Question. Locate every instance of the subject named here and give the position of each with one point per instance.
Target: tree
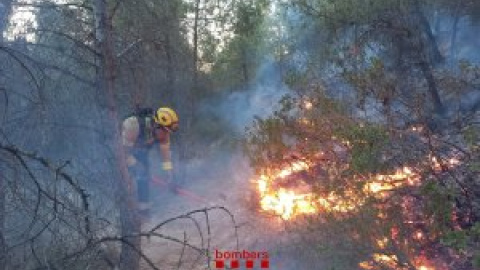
(237, 64)
(129, 258)
(384, 25)
(375, 187)
(5, 9)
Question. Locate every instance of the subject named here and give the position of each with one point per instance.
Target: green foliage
(476, 260)
(438, 205)
(373, 81)
(465, 241)
(237, 63)
(295, 78)
(456, 240)
(265, 142)
(250, 17)
(293, 127)
(471, 134)
(345, 13)
(367, 143)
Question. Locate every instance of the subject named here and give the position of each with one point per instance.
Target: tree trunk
(428, 54)
(3, 246)
(129, 259)
(245, 66)
(432, 49)
(5, 9)
(185, 145)
(432, 87)
(170, 66)
(195, 44)
(453, 39)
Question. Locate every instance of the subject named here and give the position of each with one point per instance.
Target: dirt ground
(215, 182)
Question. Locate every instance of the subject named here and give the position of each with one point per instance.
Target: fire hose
(157, 181)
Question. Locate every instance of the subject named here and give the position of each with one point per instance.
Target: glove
(167, 166)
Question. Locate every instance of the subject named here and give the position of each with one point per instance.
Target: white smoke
(239, 108)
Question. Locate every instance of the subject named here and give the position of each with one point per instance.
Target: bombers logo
(241, 259)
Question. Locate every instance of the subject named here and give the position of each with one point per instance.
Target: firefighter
(140, 132)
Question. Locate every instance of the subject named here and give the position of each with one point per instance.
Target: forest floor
(221, 181)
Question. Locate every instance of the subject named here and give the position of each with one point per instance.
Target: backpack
(144, 117)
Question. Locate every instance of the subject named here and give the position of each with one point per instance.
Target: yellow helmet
(167, 118)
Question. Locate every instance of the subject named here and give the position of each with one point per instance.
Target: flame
(388, 260)
(422, 263)
(440, 165)
(418, 235)
(382, 183)
(307, 104)
(282, 202)
(382, 243)
(294, 167)
(380, 261)
(289, 202)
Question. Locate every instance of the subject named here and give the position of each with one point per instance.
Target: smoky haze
(238, 108)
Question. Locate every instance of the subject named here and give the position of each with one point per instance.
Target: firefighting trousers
(141, 175)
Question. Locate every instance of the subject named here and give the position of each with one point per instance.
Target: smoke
(221, 176)
(239, 108)
(466, 41)
(224, 120)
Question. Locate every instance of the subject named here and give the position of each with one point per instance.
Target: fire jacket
(141, 136)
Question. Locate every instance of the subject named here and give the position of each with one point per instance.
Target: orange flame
(284, 202)
(290, 202)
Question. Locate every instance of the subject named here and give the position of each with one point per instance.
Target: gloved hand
(167, 166)
(168, 171)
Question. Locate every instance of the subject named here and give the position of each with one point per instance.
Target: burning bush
(385, 196)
